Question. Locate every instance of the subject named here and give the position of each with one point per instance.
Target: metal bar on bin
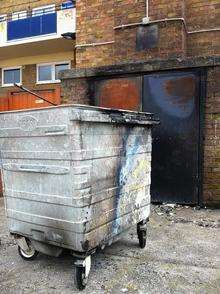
(34, 94)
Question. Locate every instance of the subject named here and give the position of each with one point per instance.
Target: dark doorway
(174, 97)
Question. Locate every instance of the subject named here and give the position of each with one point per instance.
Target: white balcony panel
(3, 33)
(66, 21)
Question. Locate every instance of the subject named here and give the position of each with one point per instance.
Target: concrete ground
(182, 256)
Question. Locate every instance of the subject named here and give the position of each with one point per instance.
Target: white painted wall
(66, 21)
(3, 32)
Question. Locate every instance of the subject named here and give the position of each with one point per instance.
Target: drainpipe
(146, 19)
(94, 44)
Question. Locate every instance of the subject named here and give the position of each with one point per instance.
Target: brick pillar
(75, 91)
(212, 139)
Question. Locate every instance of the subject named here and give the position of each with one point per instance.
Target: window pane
(45, 73)
(12, 76)
(60, 67)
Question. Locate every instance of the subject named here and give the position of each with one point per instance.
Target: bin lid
(110, 115)
(99, 114)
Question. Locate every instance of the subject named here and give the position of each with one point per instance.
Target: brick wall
(76, 91)
(159, 9)
(211, 191)
(97, 21)
(203, 44)
(93, 27)
(170, 44)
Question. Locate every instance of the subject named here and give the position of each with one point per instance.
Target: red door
(22, 100)
(120, 93)
(3, 103)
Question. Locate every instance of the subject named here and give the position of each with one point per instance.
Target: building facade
(159, 56)
(33, 51)
(151, 55)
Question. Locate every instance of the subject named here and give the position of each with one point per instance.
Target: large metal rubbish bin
(75, 177)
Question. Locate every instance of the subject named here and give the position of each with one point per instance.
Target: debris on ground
(205, 223)
(170, 210)
(182, 256)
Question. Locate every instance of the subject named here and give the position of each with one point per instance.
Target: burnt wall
(87, 86)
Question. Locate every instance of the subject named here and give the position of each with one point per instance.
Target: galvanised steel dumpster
(75, 177)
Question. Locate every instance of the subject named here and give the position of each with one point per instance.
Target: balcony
(32, 27)
(37, 35)
(37, 28)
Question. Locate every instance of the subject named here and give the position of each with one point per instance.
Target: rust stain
(120, 93)
(184, 88)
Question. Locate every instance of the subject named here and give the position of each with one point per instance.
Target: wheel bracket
(86, 263)
(21, 241)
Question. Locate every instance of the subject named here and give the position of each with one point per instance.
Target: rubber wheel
(28, 255)
(142, 237)
(79, 278)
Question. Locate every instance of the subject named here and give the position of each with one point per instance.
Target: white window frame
(15, 15)
(53, 65)
(11, 68)
(52, 6)
(4, 16)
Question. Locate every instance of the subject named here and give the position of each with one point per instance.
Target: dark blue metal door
(174, 97)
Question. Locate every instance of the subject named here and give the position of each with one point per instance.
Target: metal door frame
(202, 101)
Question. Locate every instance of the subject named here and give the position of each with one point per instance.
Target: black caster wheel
(31, 254)
(142, 234)
(80, 278)
(142, 237)
(81, 272)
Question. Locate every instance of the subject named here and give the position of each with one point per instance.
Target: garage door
(3, 103)
(21, 100)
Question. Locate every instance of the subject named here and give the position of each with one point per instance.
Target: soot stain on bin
(85, 245)
(124, 167)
